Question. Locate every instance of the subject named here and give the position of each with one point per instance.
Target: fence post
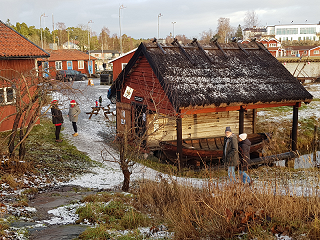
(315, 144)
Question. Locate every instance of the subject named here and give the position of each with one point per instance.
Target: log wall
(204, 125)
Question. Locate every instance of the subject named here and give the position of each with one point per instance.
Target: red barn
(175, 92)
(18, 57)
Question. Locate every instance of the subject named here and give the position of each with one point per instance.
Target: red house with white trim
(63, 59)
(18, 57)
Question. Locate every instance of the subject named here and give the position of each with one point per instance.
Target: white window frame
(5, 96)
(58, 65)
(123, 65)
(81, 64)
(316, 52)
(272, 45)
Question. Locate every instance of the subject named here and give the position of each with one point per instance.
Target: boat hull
(208, 149)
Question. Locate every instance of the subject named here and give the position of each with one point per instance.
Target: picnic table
(106, 110)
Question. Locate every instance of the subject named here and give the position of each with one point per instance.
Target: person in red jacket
(57, 118)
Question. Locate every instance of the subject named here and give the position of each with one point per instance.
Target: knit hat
(243, 136)
(228, 129)
(73, 102)
(54, 101)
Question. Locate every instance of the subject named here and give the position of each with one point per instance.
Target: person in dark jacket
(57, 118)
(244, 156)
(230, 153)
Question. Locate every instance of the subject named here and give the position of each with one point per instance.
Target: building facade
(295, 32)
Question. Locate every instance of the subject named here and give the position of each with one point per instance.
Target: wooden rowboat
(208, 149)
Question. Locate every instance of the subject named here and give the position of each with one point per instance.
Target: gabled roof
(68, 55)
(121, 56)
(104, 51)
(220, 75)
(14, 45)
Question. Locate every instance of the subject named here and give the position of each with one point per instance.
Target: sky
(139, 18)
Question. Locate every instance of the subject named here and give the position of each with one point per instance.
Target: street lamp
(173, 28)
(159, 15)
(121, 7)
(89, 63)
(42, 15)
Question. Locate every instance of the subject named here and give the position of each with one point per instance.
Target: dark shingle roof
(14, 45)
(230, 75)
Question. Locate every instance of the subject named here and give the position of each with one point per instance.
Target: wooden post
(254, 120)
(241, 120)
(179, 141)
(315, 144)
(295, 127)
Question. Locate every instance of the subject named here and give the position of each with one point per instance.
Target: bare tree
(205, 36)
(224, 30)
(251, 19)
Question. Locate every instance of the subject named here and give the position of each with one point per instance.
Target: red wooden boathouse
(175, 92)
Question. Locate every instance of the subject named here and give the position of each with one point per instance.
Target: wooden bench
(95, 111)
(107, 111)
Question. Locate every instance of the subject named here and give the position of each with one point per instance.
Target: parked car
(70, 75)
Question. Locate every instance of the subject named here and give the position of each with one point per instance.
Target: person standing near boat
(230, 153)
(244, 157)
(57, 119)
(74, 111)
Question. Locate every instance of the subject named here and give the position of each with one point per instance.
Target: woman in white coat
(74, 111)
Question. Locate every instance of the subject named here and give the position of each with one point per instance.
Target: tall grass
(225, 212)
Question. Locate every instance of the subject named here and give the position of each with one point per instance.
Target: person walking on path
(230, 153)
(73, 114)
(57, 118)
(244, 157)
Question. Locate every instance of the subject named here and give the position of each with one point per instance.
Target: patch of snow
(64, 215)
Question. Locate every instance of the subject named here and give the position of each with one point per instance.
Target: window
(309, 30)
(287, 31)
(272, 44)
(7, 95)
(81, 64)
(124, 65)
(58, 65)
(316, 52)
(294, 52)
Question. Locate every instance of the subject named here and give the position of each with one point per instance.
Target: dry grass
(227, 212)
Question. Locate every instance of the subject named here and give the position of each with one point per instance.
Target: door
(140, 120)
(69, 65)
(45, 67)
(90, 70)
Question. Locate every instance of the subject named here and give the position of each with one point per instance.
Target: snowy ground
(92, 135)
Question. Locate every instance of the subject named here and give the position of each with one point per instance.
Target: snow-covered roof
(225, 74)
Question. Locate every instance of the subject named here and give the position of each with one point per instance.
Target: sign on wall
(128, 92)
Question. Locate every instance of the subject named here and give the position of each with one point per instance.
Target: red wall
(52, 66)
(7, 69)
(147, 86)
(117, 64)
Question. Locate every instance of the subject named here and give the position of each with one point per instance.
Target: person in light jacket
(230, 153)
(244, 156)
(73, 114)
(57, 119)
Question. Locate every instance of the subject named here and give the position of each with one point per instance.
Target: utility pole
(173, 28)
(42, 15)
(121, 7)
(89, 63)
(159, 15)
